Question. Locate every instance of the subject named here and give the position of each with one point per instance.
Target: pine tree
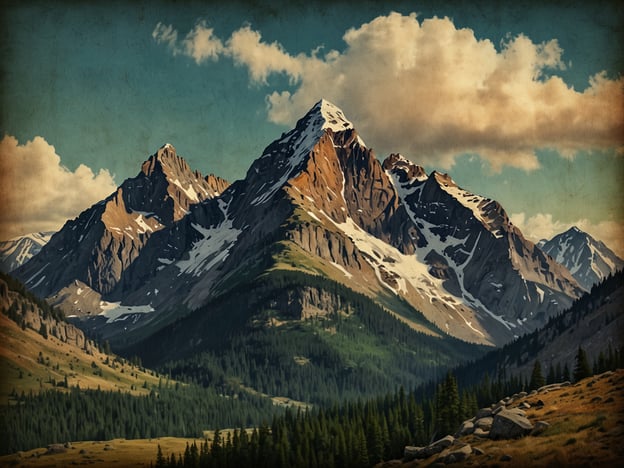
(566, 373)
(161, 462)
(552, 377)
(448, 411)
(582, 369)
(537, 379)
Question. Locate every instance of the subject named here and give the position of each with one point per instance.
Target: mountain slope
(99, 245)
(40, 351)
(593, 322)
(17, 251)
(319, 202)
(589, 260)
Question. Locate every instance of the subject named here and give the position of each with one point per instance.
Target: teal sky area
(94, 82)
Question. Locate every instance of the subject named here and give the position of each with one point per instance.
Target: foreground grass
(586, 429)
(115, 453)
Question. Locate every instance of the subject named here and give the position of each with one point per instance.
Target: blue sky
(518, 101)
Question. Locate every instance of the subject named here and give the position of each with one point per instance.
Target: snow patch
(213, 248)
(188, 191)
(113, 311)
(341, 268)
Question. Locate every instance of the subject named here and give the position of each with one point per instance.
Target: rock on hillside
(560, 424)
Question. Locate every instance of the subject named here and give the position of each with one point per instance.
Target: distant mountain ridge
(316, 201)
(589, 260)
(18, 250)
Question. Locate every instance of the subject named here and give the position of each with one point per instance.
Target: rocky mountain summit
(319, 202)
(589, 260)
(103, 241)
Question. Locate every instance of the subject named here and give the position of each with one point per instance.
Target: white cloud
(543, 226)
(433, 91)
(199, 43)
(38, 193)
(246, 48)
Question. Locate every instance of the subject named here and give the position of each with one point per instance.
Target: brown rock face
(33, 317)
(98, 246)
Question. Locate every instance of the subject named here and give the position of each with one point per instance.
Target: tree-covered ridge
(525, 349)
(169, 410)
(17, 286)
(359, 350)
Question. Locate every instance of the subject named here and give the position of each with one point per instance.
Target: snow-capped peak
(333, 117)
(17, 251)
(283, 159)
(588, 259)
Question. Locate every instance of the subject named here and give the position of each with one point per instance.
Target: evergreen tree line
(46, 309)
(358, 433)
(526, 348)
(172, 410)
(369, 352)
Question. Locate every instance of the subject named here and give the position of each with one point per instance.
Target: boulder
(540, 426)
(466, 428)
(483, 413)
(455, 453)
(509, 425)
(517, 411)
(524, 405)
(55, 448)
(411, 453)
(481, 433)
(484, 423)
(477, 451)
(498, 409)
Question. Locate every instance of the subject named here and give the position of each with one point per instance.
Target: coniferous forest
(347, 431)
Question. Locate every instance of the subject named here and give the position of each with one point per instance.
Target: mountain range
(317, 204)
(17, 251)
(589, 260)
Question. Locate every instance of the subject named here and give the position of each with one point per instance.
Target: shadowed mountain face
(98, 246)
(589, 260)
(317, 201)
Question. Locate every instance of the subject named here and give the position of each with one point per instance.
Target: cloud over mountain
(431, 90)
(39, 193)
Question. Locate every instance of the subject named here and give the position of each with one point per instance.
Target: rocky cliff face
(98, 246)
(33, 317)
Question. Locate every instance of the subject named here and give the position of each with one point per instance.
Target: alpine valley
(325, 275)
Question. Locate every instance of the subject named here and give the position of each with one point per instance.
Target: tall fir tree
(581, 369)
(537, 378)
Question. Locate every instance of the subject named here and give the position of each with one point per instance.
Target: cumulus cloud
(433, 91)
(199, 43)
(543, 226)
(38, 193)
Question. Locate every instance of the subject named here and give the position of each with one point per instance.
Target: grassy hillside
(586, 429)
(30, 362)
